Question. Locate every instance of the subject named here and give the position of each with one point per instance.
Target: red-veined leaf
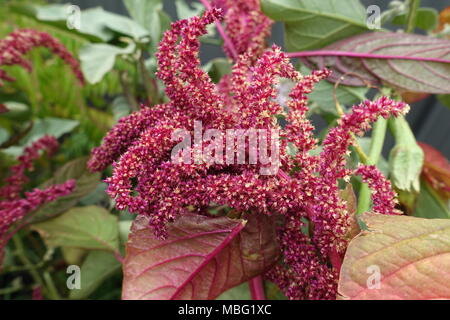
(436, 170)
(409, 62)
(399, 257)
(202, 257)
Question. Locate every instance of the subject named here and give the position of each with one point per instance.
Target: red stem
(222, 32)
(332, 53)
(257, 288)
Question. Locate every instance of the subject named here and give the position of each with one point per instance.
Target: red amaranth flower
(13, 208)
(246, 26)
(305, 192)
(16, 180)
(20, 42)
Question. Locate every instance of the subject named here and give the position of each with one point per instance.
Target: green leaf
(399, 257)
(312, 24)
(17, 110)
(430, 205)
(4, 135)
(185, 11)
(99, 58)
(55, 127)
(406, 158)
(146, 13)
(241, 292)
(426, 19)
(124, 230)
(120, 108)
(96, 23)
(96, 268)
(86, 182)
(89, 227)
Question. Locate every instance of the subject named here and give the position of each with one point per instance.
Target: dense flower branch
(145, 180)
(20, 42)
(13, 207)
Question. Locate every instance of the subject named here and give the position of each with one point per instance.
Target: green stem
(51, 288)
(123, 77)
(149, 83)
(20, 252)
(414, 5)
(376, 146)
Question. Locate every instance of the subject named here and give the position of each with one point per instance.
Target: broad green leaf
(4, 135)
(185, 11)
(202, 257)
(124, 230)
(98, 58)
(312, 24)
(427, 19)
(16, 110)
(146, 13)
(96, 268)
(241, 292)
(89, 227)
(56, 127)
(120, 108)
(96, 23)
(430, 205)
(73, 255)
(86, 182)
(406, 158)
(399, 257)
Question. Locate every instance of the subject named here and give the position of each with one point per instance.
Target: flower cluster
(305, 192)
(20, 42)
(13, 207)
(246, 26)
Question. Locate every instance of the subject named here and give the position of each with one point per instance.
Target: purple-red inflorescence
(305, 192)
(19, 42)
(13, 206)
(246, 26)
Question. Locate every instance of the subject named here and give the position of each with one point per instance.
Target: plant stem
(257, 288)
(20, 252)
(51, 288)
(376, 146)
(414, 5)
(149, 83)
(127, 91)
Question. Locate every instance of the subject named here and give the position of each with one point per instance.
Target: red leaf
(436, 170)
(201, 258)
(409, 62)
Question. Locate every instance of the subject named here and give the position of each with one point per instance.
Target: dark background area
(429, 119)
